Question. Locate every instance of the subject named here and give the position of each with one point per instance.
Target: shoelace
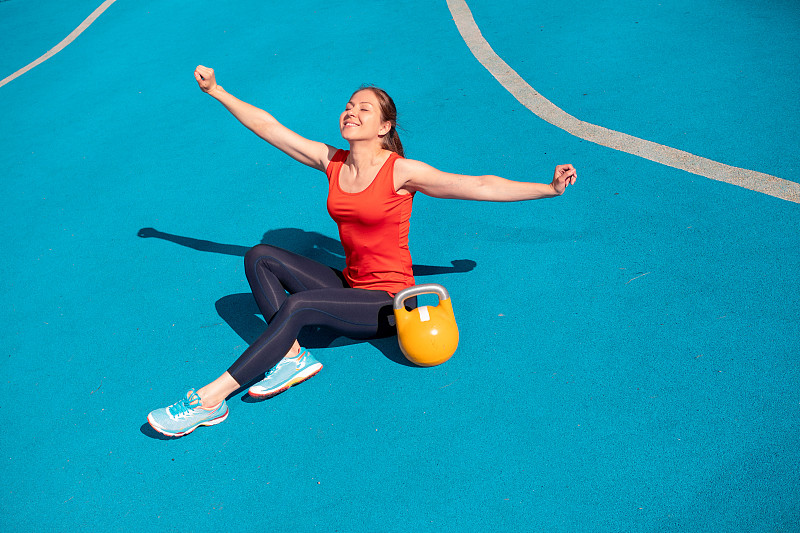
(185, 406)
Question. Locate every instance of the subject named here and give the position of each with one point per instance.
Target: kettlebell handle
(416, 290)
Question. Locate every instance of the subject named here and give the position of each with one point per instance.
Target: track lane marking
(549, 112)
(63, 44)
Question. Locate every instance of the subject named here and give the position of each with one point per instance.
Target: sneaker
(185, 416)
(288, 372)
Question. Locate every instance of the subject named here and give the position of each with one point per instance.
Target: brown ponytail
(391, 141)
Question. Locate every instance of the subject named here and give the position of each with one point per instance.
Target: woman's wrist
(216, 91)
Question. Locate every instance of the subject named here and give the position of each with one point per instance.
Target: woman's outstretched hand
(563, 176)
(205, 78)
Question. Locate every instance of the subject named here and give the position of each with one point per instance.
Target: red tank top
(373, 227)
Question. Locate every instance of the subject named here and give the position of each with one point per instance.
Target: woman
(371, 188)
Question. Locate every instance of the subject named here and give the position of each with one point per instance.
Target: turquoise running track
(629, 351)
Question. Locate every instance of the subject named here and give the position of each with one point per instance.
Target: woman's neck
(366, 154)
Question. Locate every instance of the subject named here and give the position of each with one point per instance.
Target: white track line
(63, 44)
(546, 110)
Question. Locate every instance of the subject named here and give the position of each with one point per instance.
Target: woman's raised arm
(312, 153)
(415, 176)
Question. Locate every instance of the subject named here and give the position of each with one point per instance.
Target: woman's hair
(391, 141)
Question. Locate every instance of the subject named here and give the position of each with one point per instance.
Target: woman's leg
(317, 298)
(354, 313)
(272, 271)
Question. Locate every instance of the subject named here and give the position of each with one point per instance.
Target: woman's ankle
(215, 392)
(207, 399)
(294, 351)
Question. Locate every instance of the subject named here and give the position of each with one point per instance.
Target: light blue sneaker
(185, 416)
(288, 372)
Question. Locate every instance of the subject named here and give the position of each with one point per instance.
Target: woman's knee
(256, 254)
(294, 305)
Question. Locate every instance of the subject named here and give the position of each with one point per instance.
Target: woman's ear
(385, 128)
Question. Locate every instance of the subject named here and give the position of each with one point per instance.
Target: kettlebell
(428, 336)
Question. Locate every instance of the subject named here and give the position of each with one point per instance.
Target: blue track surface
(628, 357)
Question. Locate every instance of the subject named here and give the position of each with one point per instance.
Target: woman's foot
(289, 371)
(185, 416)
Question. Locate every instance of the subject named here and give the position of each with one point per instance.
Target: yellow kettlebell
(428, 336)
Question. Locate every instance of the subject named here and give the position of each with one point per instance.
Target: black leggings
(318, 296)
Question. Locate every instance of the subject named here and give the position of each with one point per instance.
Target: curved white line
(63, 44)
(546, 110)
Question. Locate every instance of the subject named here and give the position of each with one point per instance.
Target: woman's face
(361, 119)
